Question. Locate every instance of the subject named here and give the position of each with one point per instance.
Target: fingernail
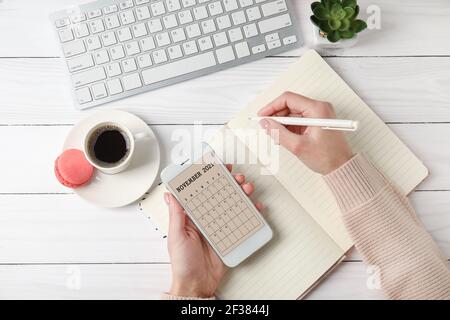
(264, 123)
(166, 198)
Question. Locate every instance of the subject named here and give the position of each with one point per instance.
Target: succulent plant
(336, 19)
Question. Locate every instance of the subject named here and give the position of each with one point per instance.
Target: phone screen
(208, 193)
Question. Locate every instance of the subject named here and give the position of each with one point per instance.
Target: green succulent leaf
(349, 12)
(334, 24)
(325, 27)
(347, 34)
(315, 21)
(356, 12)
(349, 3)
(337, 12)
(326, 4)
(345, 25)
(321, 13)
(334, 36)
(314, 5)
(358, 26)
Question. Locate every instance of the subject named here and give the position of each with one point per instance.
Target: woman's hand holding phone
(196, 269)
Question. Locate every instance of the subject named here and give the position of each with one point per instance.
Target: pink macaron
(72, 169)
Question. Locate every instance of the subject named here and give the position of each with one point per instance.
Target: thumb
(177, 217)
(281, 135)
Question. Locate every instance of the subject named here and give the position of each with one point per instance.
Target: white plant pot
(323, 43)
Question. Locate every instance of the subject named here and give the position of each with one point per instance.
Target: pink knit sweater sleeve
(388, 234)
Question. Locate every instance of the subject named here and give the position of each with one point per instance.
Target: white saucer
(127, 186)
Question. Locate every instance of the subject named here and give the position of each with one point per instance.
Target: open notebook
(309, 237)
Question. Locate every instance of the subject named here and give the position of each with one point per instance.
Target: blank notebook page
(311, 76)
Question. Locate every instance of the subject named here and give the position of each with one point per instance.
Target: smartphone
(218, 206)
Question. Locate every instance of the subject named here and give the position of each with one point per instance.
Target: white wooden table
(49, 237)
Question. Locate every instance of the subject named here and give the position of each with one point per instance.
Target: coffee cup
(110, 146)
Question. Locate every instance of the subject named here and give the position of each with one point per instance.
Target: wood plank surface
(36, 91)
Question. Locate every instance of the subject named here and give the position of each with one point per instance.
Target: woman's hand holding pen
(321, 150)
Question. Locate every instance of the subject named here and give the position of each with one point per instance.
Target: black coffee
(109, 145)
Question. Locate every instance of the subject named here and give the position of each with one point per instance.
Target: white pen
(328, 124)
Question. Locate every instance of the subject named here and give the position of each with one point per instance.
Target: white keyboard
(115, 49)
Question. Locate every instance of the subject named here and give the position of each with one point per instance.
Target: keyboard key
(154, 25)
(173, 5)
(235, 34)
(94, 13)
(126, 4)
(175, 52)
(112, 22)
(215, 8)
(139, 2)
(273, 44)
(275, 23)
(144, 61)
(117, 52)
(178, 35)
(205, 43)
(193, 30)
(274, 7)
(170, 21)
(110, 9)
(101, 56)
(208, 26)
(230, 5)
(108, 39)
(62, 22)
(245, 3)
(114, 86)
(142, 13)
(250, 30)
(159, 56)
(200, 13)
(139, 30)
(73, 48)
(81, 30)
(132, 48)
(129, 65)
(163, 39)
(65, 35)
(178, 68)
(225, 54)
(124, 34)
(289, 40)
(253, 14)
(80, 63)
(87, 77)
(96, 26)
(127, 17)
(158, 8)
(272, 37)
(220, 39)
(238, 18)
(83, 95)
(242, 50)
(93, 43)
(223, 22)
(99, 91)
(113, 70)
(259, 49)
(147, 44)
(190, 48)
(77, 18)
(188, 3)
(132, 81)
(185, 17)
